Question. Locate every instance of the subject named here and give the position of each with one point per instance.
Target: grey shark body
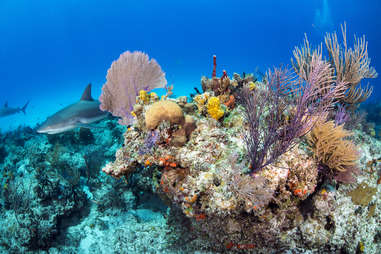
(79, 114)
(7, 111)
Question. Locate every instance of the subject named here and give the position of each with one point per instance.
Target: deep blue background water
(49, 50)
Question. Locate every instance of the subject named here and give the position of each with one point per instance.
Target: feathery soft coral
(269, 134)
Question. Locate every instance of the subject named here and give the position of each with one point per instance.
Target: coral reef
(47, 182)
(246, 166)
(282, 206)
(247, 176)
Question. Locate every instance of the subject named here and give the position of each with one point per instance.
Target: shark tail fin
(24, 107)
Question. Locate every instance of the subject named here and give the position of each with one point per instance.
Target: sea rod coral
(269, 134)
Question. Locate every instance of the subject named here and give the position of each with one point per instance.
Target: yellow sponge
(214, 108)
(143, 96)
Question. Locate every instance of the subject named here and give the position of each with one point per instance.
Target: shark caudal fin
(23, 108)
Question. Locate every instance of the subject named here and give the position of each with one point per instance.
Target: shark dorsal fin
(6, 104)
(86, 96)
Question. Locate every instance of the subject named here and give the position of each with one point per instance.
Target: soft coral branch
(270, 134)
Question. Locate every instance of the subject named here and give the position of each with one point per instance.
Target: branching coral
(269, 134)
(349, 65)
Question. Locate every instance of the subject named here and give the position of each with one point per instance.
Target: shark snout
(41, 129)
(44, 129)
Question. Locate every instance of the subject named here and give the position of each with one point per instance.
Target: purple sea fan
(263, 112)
(316, 92)
(341, 116)
(269, 136)
(128, 75)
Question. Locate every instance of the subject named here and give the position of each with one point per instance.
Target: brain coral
(164, 110)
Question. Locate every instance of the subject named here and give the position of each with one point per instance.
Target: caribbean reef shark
(79, 114)
(7, 111)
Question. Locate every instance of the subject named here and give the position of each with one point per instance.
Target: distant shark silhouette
(7, 111)
(79, 114)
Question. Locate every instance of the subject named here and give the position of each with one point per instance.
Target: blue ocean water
(50, 50)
